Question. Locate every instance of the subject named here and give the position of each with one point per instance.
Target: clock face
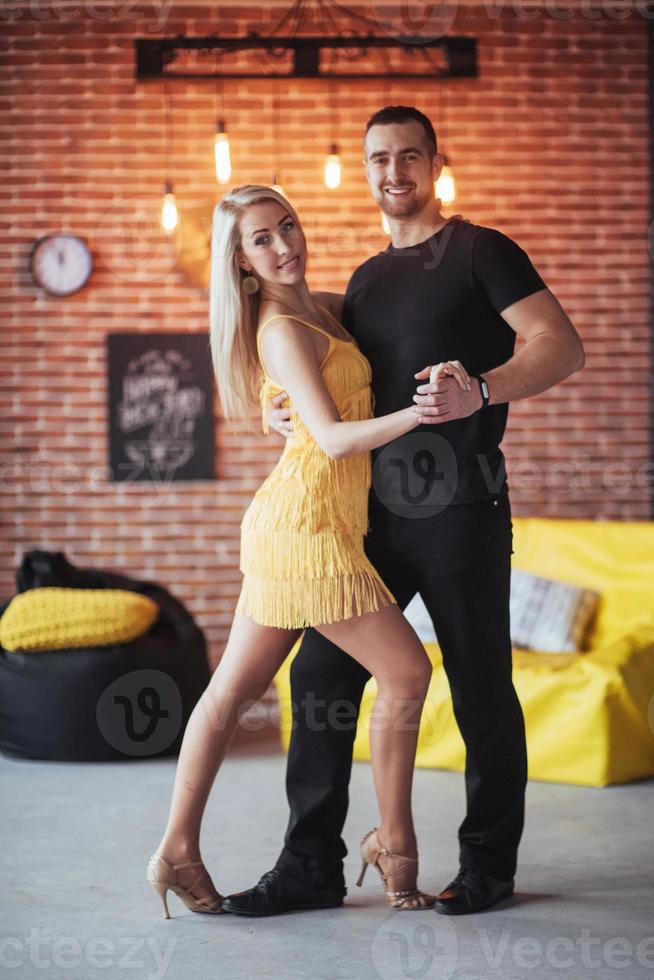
(61, 264)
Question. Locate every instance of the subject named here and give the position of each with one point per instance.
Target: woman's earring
(250, 285)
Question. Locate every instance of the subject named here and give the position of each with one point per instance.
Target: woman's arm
(291, 356)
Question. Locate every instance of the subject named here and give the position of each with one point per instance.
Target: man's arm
(552, 352)
(332, 301)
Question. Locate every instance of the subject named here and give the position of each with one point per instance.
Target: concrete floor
(75, 903)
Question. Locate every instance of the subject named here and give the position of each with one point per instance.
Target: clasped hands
(450, 393)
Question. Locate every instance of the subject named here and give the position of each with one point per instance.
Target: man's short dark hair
(401, 114)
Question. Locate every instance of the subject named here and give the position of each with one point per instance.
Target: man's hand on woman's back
(279, 418)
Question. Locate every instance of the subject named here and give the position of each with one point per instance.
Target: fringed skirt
(293, 580)
(302, 554)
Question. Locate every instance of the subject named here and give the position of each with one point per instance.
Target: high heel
(162, 875)
(371, 849)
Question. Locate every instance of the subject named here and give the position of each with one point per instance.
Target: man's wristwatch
(485, 394)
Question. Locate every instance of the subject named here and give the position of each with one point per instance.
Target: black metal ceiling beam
(154, 57)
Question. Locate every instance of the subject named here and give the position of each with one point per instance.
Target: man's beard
(402, 209)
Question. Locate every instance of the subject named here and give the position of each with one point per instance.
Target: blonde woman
(302, 552)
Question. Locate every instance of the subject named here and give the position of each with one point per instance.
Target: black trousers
(460, 562)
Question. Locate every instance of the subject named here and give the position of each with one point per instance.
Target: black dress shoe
(278, 892)
(472, 891)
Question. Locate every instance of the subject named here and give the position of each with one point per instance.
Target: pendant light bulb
(333, 168)
(221, 153)
(444, 187)
(169, 215)
(385, 225)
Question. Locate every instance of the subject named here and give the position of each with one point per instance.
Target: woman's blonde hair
(233, 313)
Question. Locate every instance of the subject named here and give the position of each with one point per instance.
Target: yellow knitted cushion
(55, 618)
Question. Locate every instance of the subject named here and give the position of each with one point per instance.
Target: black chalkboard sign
(161, 407)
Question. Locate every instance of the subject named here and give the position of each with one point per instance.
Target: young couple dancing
(329, 551)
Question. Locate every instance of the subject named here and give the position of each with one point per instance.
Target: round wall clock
(61, 264)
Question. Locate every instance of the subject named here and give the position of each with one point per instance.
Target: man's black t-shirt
(436, 301)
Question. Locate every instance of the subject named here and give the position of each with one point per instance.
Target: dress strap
(291, 317)
(337, 322)
(332, 339)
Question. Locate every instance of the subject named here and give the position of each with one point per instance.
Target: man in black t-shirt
(440, 518)
(435, 301)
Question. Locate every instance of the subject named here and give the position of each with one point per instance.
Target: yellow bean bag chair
(57, 618)
(589, 716)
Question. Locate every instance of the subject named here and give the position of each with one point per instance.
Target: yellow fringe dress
(302, 553)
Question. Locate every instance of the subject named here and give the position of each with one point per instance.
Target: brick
(533, 142)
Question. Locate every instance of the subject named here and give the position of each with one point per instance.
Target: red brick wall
(549, 144)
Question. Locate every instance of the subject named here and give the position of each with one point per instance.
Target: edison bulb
(333, 168)
(169, 215)
(444, 186)
(221, 153)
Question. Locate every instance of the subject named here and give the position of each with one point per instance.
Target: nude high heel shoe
(162, 875)
(409, 900)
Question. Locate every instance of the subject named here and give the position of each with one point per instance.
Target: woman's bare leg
(386, 645)
(251, 658)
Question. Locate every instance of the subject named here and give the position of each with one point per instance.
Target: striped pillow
(550, 616)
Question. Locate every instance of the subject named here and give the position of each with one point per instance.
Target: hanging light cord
(168, 132)
(274, 131)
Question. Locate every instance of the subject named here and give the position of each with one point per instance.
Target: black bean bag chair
(97, 704)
